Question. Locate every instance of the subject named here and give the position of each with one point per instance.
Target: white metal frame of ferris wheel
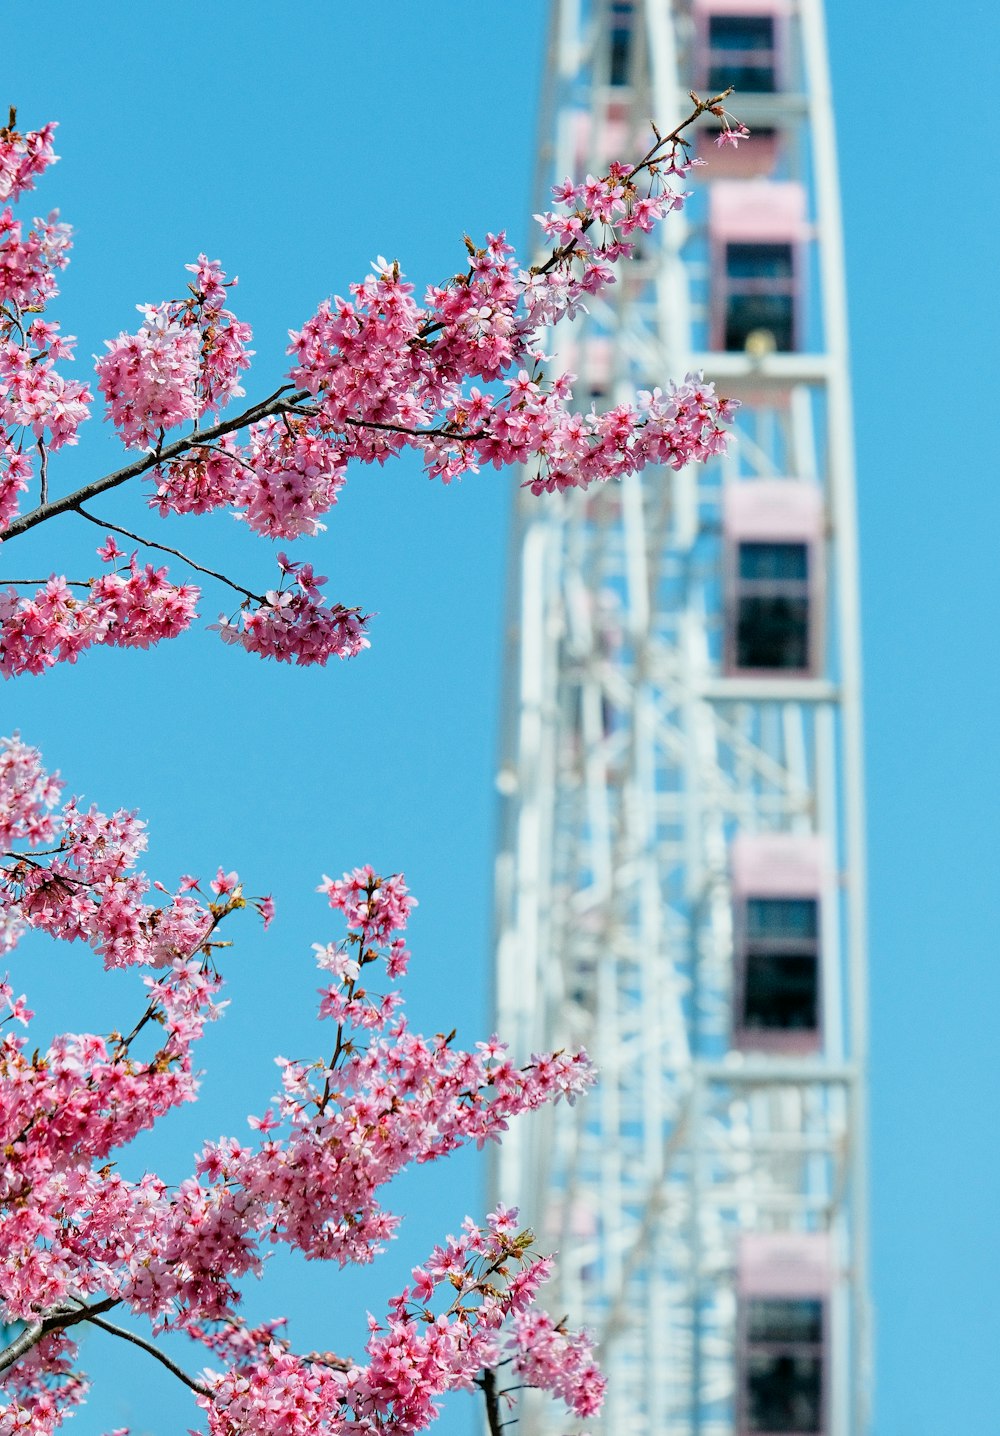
(629, 762)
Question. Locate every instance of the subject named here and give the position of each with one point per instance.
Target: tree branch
(154, 1351)
(30, 1336)
(165, 548)
(488, 1385)
(44, 472)
(280, 400)
(652, 156)
(55, 1321)
(73, 1316)
(286, 399)
(445, 432)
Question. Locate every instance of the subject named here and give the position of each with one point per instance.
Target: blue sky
(297, 148)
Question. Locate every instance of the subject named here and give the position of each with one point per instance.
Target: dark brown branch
(73, 1316)
(444, 431)
(488, 1384)
(280, 400)
(32, 860)
(43, 471)
(165, 548)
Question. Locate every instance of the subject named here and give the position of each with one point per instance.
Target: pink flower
(22, 157)
(183, 362)
(330, 1143)
(109, 550)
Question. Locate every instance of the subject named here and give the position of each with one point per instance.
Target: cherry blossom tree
(462, 379)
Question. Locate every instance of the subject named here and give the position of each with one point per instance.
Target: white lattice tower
(632, 758)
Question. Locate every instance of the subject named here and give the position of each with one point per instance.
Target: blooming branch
(77, 1238)
(460, 379)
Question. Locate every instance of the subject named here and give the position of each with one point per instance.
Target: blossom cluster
(460, 377)
(295, 622)
(135, 606)
(35, 399)
(557, 1360)
(183, 363)
(22, 157)
(489, 1277)
(84, 884)
(132, 606)
(78, 1238)
(47, 1389)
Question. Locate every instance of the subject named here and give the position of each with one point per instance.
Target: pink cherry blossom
(131, 607)
(184, 361)
(150, 378)
(458, 376)
(77, 1235)
(22, 157)
(731, 135)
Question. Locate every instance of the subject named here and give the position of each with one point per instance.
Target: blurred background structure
(680, 877)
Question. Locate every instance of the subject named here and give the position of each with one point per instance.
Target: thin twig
(443, 431)
(229, 454)
(154, 1351)
(13, 318)
(38, 853)
(652, 155)
(565, 251)
(66, 878)
(165, 548)
(122, 1047)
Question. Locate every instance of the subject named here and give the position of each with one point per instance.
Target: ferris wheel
(680, 871)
